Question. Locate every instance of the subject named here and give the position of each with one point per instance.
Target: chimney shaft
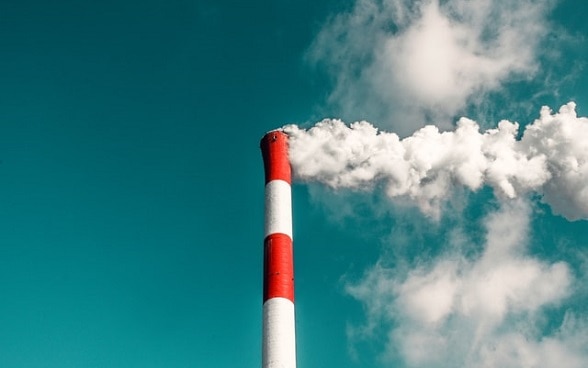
(279, 337)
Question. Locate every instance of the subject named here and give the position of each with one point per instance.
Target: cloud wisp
(424, 61)
(484, 311)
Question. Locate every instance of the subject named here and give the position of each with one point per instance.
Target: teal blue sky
(131, 184)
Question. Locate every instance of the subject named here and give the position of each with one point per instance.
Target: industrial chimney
(279, 336)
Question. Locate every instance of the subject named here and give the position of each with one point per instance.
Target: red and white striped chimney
(279, 336)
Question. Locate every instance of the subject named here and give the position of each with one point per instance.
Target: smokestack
(279, 337)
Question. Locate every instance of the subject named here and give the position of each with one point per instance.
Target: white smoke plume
(425, 61)
(550, 159)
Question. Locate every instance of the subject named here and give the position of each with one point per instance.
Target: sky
(447, 229)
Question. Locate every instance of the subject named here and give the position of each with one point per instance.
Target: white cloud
(481, 312)
(422, 61)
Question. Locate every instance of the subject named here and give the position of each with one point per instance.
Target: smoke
(425, 61)
(550, 159)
